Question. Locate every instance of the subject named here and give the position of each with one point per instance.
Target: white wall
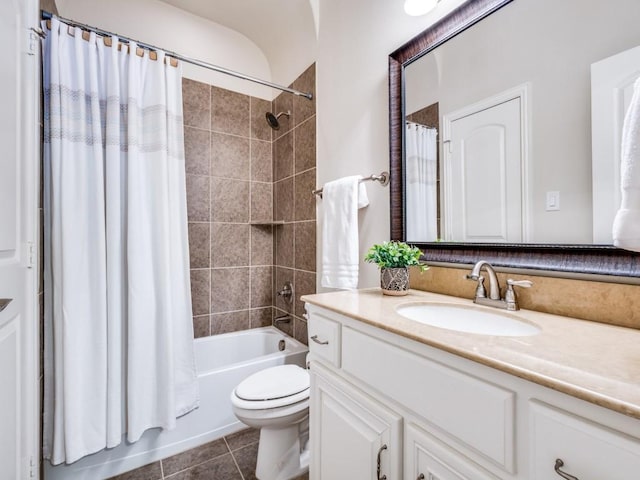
(167, 27)
(355, 39)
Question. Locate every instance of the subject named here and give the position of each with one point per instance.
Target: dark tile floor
(230, 458)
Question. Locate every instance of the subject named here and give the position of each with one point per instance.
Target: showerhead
(272, 119)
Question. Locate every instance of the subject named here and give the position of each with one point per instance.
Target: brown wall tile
(305, 283)
(261, 317)
(304, 108)
(261, 286)
(305, 245)
(300, 331)
(261, 161)
(305, 145)
(229, 322)
(199, 245)
(196, 101)
(283, 157)
(229, 289)
(259, 127)
(238, 172)
(200, 288)
(261, 245)
(201, 326)
(305, 201)
(261, 202)
(284, 245)
(197, 198)
(283, 200)
(229, 112)
(229, 200)
(197, 151)
(230, 245)
(229, 156)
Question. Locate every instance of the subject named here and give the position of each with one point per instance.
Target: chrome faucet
(509, 302)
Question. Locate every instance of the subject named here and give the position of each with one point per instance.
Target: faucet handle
(519, 283)
(481, 292)
(510, 294)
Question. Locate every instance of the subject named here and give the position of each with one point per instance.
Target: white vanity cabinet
(353, 436)
(444, 417)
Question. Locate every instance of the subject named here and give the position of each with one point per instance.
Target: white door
(350, 434)
(483, 176)
(611, 89)
(18, 213)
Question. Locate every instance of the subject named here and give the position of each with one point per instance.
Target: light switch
(553, 201)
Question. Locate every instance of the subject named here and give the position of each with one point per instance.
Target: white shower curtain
(421, 183)
(118, 330)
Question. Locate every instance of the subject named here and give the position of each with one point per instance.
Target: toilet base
(280, 456)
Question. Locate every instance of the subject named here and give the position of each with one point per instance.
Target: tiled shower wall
(234, 164)
(294, 172)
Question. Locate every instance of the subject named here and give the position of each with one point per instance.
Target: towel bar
(383, 178)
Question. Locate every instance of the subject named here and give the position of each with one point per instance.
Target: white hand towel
(340, 260)
(626, 226)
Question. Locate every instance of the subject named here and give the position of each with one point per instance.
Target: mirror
(523, 66)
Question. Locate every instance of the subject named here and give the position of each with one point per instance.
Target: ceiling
(283, 29)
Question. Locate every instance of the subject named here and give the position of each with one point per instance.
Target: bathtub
(222, 362)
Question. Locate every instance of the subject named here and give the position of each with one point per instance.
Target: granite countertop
(592, 361)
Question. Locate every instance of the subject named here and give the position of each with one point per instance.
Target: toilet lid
(273, 383)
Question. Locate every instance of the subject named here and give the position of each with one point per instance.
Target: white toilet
(276, 400)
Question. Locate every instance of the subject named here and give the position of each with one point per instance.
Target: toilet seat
(272, 387)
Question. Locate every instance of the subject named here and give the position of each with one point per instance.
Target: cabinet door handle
(319, 342)
(420, 477)
(560, 463)
(382, 448)
(4, 302)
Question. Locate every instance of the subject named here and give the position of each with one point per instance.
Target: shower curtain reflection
(118, 331)
(421, 183)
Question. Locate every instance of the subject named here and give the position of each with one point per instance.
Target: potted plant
(394, 259)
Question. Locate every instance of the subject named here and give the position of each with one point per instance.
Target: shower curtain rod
(47, 16)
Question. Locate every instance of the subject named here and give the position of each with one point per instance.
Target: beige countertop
(592, 361)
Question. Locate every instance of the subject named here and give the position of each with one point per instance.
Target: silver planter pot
(394, 281)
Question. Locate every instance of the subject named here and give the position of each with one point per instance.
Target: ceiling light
(416, 8)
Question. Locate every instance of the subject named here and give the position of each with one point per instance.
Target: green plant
(395, 255)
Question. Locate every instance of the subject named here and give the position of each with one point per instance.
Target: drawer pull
(319, 342)
(420, 477)
(382, 448)
(560, 463)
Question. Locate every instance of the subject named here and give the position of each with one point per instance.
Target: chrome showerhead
(272, 119)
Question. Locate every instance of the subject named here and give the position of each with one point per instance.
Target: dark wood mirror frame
(564, 260)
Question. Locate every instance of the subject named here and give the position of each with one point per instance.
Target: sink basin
(462, 318)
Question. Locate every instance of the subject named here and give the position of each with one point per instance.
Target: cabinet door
(426, 458)
(588, 451)
(350, 433)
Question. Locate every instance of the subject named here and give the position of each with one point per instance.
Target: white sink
(462, 318)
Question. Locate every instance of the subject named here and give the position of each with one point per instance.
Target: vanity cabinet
(587, 450)
(353, 435)
(444, 417)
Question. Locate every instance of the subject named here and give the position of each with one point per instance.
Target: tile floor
(230, 458)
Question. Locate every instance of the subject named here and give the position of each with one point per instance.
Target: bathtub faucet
(282, 319)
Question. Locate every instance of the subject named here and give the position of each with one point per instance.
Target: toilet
(276, 400)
